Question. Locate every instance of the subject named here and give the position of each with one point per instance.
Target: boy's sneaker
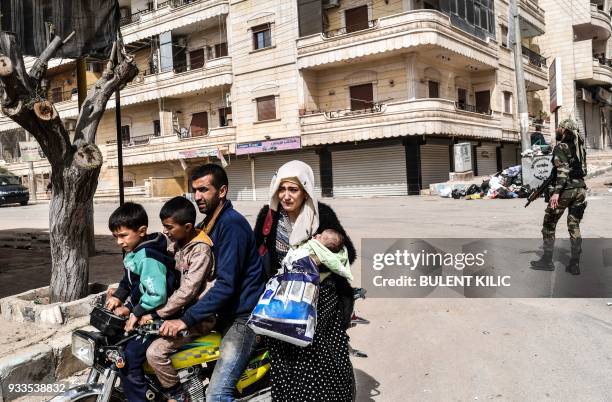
(177, 394)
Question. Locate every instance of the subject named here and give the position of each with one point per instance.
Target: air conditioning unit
(331, 3)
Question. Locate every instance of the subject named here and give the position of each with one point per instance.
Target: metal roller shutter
(370, 172)
(509, 155)
(239, 178)
(435, 164)
(486, 159)
(267, 165)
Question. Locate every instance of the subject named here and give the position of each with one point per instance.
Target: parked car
(12, 191)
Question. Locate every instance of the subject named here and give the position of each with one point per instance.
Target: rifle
(543, 187)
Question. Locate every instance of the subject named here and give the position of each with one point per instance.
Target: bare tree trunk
(75, 166)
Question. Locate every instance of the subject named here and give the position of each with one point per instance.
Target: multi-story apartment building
(578, 32)
(371, 93)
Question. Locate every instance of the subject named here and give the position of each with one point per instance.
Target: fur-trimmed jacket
(327, 220)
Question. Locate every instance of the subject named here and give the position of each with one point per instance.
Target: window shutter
(196, 58)
(266, 108)
(356, 19)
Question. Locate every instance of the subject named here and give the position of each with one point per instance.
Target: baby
(327, 249)
(331, 239)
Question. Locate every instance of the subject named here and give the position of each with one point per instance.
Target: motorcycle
(102, 351)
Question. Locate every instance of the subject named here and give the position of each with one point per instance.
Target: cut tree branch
(21, 102)
(95, 104)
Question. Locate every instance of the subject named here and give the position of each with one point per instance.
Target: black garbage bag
(485, 186)
(458, 193)
(524, 191)
(473, 189)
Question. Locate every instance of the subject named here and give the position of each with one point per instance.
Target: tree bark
(75, 166)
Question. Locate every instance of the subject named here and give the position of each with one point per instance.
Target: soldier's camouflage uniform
(571, 188)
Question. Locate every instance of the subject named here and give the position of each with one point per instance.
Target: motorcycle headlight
(83, 348)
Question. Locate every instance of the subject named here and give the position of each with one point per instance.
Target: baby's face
(326, 239)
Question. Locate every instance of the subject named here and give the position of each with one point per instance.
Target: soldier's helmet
(569, 124)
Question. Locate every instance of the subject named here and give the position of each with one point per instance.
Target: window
(199, 124)
(196, 59)
(262, 36)
(434, 89)
(483, 102)
(362, 97)
(125, 134)
(462, 96)
(356, 19)
(56, 95)
(266, 108)
(221, 49)
(225, 116)
(504, 36)
(507, 102)
(156, 128)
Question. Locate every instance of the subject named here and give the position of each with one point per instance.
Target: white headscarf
(307, 222)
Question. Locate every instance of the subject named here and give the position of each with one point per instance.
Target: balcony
(154, 149)
(536, 72)
(602, 72)
(170, 15)
(148, 85)
(601, 22)
(395, 34)
(532, 18)
(397, 119)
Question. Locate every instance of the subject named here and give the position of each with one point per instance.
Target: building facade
(578, 32)
(373, 94)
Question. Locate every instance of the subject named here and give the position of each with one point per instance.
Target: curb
(599, 172)
(40, 364)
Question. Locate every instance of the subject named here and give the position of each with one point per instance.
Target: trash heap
(506, 184)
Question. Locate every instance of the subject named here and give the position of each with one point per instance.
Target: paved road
(456, 349)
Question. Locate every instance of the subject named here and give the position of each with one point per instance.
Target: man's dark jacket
(240, 279)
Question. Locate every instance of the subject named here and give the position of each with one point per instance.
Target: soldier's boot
(574, 263)
(545, 263)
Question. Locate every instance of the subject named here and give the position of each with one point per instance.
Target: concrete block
(65, 363)
(25, 306)
(33, 365)
(51, 315)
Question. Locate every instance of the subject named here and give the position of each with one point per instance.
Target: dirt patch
(23, 268)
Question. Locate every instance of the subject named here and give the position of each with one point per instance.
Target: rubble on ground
(506, 184)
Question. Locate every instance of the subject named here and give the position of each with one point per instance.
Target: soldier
(568, 191)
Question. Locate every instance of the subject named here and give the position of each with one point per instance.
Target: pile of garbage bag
(506, 184)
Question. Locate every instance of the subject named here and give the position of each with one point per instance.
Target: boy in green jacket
(148, 280)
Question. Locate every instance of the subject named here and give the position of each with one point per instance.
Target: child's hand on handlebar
(112, 303)
(131, 323)
(122, 311)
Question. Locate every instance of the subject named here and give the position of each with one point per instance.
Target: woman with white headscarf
(321, 371)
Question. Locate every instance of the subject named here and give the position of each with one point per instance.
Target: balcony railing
(535, 59)
(472, 109)
(135, 17)
(603, 61)
(336, 114)
(349, 29)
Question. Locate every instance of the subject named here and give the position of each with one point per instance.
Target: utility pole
(521, 92)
